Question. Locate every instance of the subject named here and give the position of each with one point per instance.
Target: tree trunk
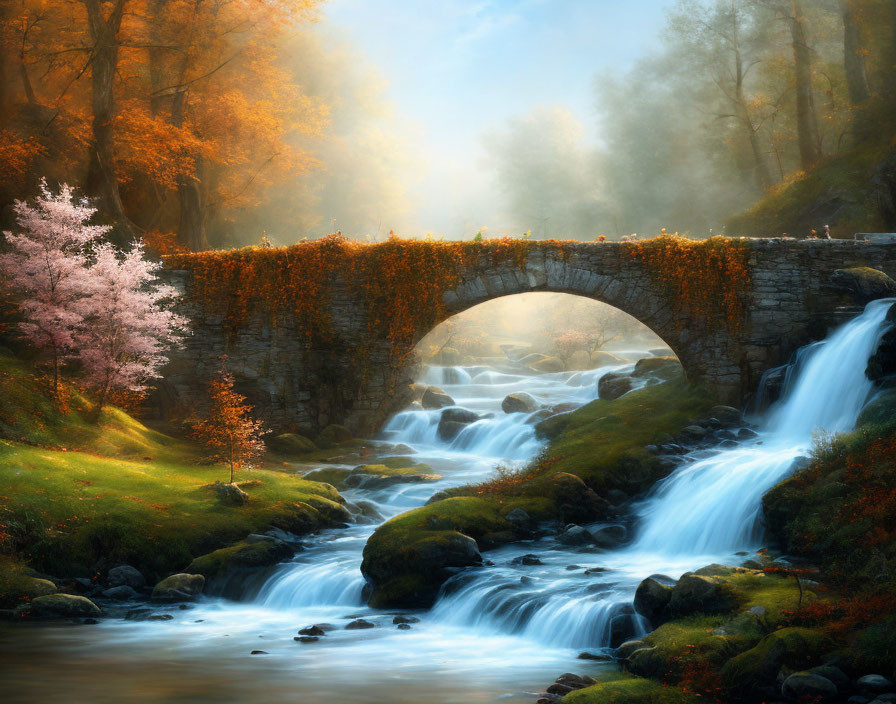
(763, 175)
(807, 120)
(856, 70)
(102, 181)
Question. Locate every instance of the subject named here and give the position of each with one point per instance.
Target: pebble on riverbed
(359, 624)
(398, 620)
(312, 631)
(306, 639)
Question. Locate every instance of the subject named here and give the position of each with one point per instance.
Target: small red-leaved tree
(46, 268)
(127, 325)
(230, 429)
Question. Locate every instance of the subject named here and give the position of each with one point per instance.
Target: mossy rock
(374, 476)
(864, 283)
(63, 606)
(222, 563)
(795, 648)
(666, 368)
(880, 411)
(625, 689)
(412, 575)
(179, 587)
(603, 441)
(333, 436)
(291, 444)
(408, 558)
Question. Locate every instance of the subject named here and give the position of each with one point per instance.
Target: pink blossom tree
(46, 267)
(127, 323)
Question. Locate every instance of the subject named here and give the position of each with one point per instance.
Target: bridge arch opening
(556, 331)
(487, 375)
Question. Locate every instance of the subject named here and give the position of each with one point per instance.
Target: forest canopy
(200, 123)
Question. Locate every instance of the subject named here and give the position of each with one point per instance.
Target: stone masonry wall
(297, 387)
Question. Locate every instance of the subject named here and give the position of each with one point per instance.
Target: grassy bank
(79, 495)
(842, 192)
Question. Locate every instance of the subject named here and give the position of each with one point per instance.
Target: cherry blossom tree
(127, 325)
(229, 428)
(46, 267)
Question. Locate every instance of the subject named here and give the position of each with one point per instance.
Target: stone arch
(789, 303)
(628, 289)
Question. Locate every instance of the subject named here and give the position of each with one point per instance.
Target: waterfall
(714, 504)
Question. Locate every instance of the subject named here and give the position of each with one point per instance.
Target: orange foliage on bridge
(401, 281)
(709, 278)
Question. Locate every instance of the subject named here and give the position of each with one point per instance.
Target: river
(499, 633)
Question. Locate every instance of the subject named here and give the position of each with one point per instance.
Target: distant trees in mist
(738, 97)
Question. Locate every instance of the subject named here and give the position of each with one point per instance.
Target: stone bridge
(305, 387)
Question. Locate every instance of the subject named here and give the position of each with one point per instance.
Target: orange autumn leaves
(201, 99)
(229, 429)
(401, 282)
(710, 278)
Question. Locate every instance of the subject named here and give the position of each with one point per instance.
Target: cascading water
(512, 624)
(703, 512)
(713, 505)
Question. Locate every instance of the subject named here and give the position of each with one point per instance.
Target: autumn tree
(127, 324)
(229, 429)
(174, 113)
(47, 268)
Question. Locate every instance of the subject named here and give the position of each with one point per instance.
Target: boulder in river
(359, 624)
(453, 420)
(435, 398)
(576, 535)
(410, 573)
(652, 600)
(239, 559)
(127, 576)
(179, 587)
(613, 385)
(806, 686)
(875, 684)
(519, 402)
(63, 606)
(699, 594)
(120, 593)
(728, 416)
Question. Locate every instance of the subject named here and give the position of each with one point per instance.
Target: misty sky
(456, 69)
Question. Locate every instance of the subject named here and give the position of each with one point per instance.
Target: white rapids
(502, 631)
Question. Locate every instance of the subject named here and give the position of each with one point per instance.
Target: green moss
(17, 586)
(340, 477)
(603, 442)
(625, 689)
(797, 648)
(241, 555)
(397, 556)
